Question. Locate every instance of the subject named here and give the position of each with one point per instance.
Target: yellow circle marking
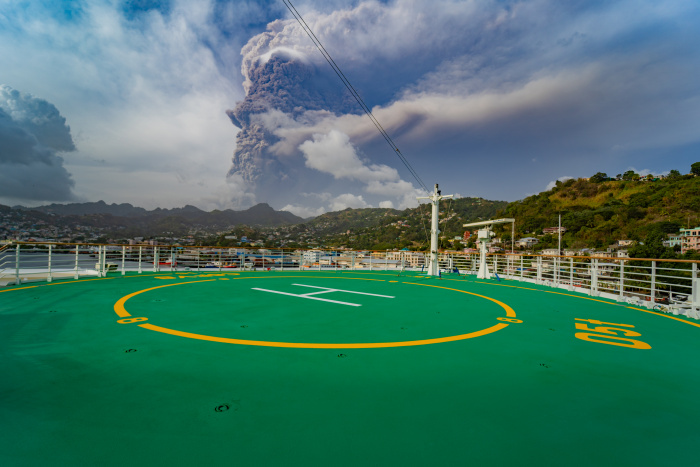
(120, 310)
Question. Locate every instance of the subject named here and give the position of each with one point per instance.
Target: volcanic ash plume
(282, 86)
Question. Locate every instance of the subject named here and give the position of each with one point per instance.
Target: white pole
(622, 281)
(559, 254)
(17, 281)
(140, 250)
(123, 259)
(77, 247)
(434, 230)
(48, 279)
(433, 266)
(695, 293)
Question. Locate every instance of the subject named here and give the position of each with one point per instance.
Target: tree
(673, 175)
(599, 177)
(630, 175)
(695, 168)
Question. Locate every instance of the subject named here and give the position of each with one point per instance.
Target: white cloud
(303, 211)
(386, 204)
(347, 200)
(338, 203)
(332, 153)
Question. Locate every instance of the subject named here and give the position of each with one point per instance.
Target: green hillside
(374, 228)
(597, 214)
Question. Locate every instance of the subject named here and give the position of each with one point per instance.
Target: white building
(527, 242)
(312, 256)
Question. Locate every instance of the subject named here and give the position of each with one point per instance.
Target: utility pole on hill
(433, 267)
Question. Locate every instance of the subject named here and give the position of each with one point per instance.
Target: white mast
(433, 268)
(559, 235)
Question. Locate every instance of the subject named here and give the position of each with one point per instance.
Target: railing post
(98, 266)
(695, 293)
(17, 281)
(156, 260)
(594, 277)
(522, 267)
(103, 266)
(76, 275)
(652, 292)
(140, 251)
(48, 278)
(539, 270)
(621, 297)
(172, 259)
(571, 274)
(495, 264)
(556, 271)
(123, 260)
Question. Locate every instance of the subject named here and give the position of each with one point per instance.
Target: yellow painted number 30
(609, 333)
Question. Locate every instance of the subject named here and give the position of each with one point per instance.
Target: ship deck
(340, 368)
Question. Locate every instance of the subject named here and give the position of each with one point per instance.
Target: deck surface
(340, 368)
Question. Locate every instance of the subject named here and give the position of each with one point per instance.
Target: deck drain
(158, 300)
(342, 355)
(222, 408)
(552, 329)
(52, 311)
(544, 365)
(129, 350)
(244, 326)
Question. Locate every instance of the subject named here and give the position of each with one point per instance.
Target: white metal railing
(665, 285)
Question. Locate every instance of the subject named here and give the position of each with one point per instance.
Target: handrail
(618, 279)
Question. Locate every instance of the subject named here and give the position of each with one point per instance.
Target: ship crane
(485, 236)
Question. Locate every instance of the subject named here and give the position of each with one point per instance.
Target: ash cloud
(32, 134)
(278, 80)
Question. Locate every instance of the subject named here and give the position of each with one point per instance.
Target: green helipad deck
(340, 368)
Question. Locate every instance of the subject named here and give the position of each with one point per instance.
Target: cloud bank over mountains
(32, 135)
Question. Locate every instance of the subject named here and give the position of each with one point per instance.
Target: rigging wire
(427, 238)
(352, 90)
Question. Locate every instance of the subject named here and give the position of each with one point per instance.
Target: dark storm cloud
(32, 133)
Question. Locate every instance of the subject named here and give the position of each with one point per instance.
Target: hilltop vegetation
(598, 213)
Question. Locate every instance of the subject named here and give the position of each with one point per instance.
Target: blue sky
(127, 101)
